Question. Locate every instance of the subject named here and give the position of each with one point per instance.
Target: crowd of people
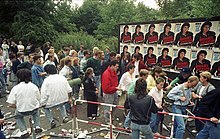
(128, 79)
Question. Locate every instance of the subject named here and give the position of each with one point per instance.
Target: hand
(214, 120)
(70, 101)
(1, 121)
(183, 98)
(168, 87)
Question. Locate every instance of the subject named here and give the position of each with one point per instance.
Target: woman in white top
(20, 47)
(157, 93)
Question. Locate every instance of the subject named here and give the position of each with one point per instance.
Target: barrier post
(110, 120)
(172, 127)
(76, 119)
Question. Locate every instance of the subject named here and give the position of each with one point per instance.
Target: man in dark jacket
(210, 104)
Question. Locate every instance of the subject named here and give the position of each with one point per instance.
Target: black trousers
(92, 108)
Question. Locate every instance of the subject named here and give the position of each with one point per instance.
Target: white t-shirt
(66, 72)
(20, 48)
(54, 90)
(126, 80)
(157, 95)
(25, 96)
(136, 64)
(201, 90)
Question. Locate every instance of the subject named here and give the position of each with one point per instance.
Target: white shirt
(55, 56)
(66, 72)
(48, 62)
(54, 90)
(136, 64)
(25, 96)
(20, 48)
(157, 95)
(201, 90)
(126, 80)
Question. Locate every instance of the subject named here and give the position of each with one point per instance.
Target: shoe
(38, 130)
(93, 118)
(65, 120)
(52, 124)
(25, 136)
(90, 118)
(97, 115)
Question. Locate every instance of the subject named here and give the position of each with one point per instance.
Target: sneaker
(65, 120)
(52, 124)
(90, 118)
(93, 118)
(97, 115)
(25, 136)
(38, 130)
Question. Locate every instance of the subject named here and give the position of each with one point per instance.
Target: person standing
(83, 62)
(210, 104)
(110, 86)
(181, 96)
(55, 92)
(25, 98)
(141, 105)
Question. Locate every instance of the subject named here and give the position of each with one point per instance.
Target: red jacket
(109, 81)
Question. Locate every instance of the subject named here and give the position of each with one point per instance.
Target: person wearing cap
(210, 109)
(181, 61)
(165, 60)
(151, 37)
(37, 72)
(200, 64)
(203, 87)
(184, 37)
(138, 36)
(205, 38)
(167, 36)
(181, 96)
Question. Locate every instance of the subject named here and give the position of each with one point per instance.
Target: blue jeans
(97, 80)
(179, 125)
(145, 129)
(155, 121)
(20, 119)
(49, 113)
(210, 130)
(2, 136)
(127, 121)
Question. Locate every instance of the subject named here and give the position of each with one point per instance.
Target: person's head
(98, 53)
(205, 76)
(118, 57)
(66, 50)
(136, 57)
(20, 42)
(167, 28)
(89, 72)
(86, 54)
(102, 57)
(24, 75)
(81, 47)
(206, 27)
(181, 53)
(126, 28)
(107, 50)
(4, 41)
(51, 51)
(50, 69)
(95, 49)
(192, 81)
(143, 74)
(185, 27)
(151, 28)
(68, 61)
(112, 55)
(73, 53)
(138, 28)
(165, 52)
(37, 59)
(159, 83)
(156, 71)
(150, 50)
(51, 58)
(31, 58)
(1, 51)
(125, 48)
(20, 55)
(114, 65)
(137, 49)
(131, 68)
(75, 61)
(185, 72)
(12, 56)
(140, 88)
(201, 55)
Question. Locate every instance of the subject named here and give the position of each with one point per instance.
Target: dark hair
(168, 24)
(125, 47)
(50, 69)
(137, 56)
(30, 55)
(130, 66)
(180, 51)
(140, 88)
(89, 70)
(36, 57)
(126, 26)
(112, 53)
(113, 63)
(12, 56)
(165, 49)
(184, 24)
(138, 26)
(24, 75)
(50, 56)
(151, 25)
(204, 24)
(150, 48)
(67, 60)
(156, 69)
(137, 47)
(86, 52)
(201, 52)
